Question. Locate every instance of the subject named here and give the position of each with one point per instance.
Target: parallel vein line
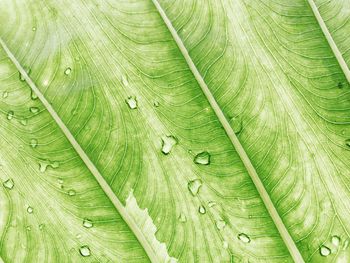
(90, 165)
(293, 250)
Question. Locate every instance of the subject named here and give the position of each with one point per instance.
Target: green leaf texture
(174, 131)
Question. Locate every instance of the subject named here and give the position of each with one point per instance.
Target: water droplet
(182, 218)
(5, 94)
(28, 228)
(34, 28)
(325, 251)
(202, 158)
(244, 238)
(85, 251)
(9, 184)
(340, 85)
(125, 80)
(30, 209)
(10, 115)
(347, 141)
(336, 240)
(87, 223)
(225, 244)
(67, 71)
(194, 186)
(27, 70)
(34, 110)
(78, 236)
(33, 96)
(202, 210)
(220, 224)
(33, 143)
(167, 143)
(132, 102)
(211, 203)
(156, 104)
(71, 192)
(41, 226)
(24, 122)
(346, 244)
(236, 124)
(44, 164)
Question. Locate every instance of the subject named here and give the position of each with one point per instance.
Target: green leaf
(162, 131)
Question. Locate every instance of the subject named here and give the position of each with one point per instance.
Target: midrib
(90, 165)
(288, 240)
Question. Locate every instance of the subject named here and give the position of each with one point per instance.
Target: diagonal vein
(90, 165)
(293, 250)
(330, 40)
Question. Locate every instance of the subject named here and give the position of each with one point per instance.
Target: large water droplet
(30, 209)
(9, 184)
(336, 240)
(67, 71)
(220, 224)
(325, 251)
(27, 70)
(194, 186)
(10, 115)
(132, 102)
(244, 238)
(87, 223)
(5, 94)
(182, 218)
(85, 251)
(167, 143)
(33, 143)
(34, 110)
(202, 210)
(202, 158)
(125, 80)
(236, 124)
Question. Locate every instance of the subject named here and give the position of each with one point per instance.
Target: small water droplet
(44, 164)
(5, 94)
(10, 115)
(41, 226)
(202, 158)
(78, 236)
(194, 186)
(346, 244)
(244, 238)
(27, 70)
(340, 85)
(202, 210)
(132, 102)
(220, 224)
(33, 96)
(30, 209)
(156, 104)
(9, 184)
(236, 124)
(34, 28)
(67, 71)
(125, 80)
(211, 203)
(182, 218)
(28, 228)
(71, 192)
(336, 240)
(24, 122)
(168, 142)
(325, 251)
(33, 143)
(85, 251)
(347, 142)
(342, 132)
(87, 223)
(225, 244)
(34, 110)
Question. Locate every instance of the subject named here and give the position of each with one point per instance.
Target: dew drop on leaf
(325, 251)
(182, 218)
(236, 124)
(5, 94)
(28, 228)
(125, 80)
(244, 238)
(156, 104)
(9, 184)
(67, 71)
(211, 203)
(33, 143)
(85, 251)
(220, 224)
(202, 210)
(34, 28)
(194, 186)
(132, 102)
(225, 244)
(87, 223)
(168, 142)
(34, 110)
(27, 70)
(33, 96)
(202, 158)
(24, 122)
(336, 240)
(41, 226)
(347, 142)
(71, 192)
(30, 210)
(10, 115)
